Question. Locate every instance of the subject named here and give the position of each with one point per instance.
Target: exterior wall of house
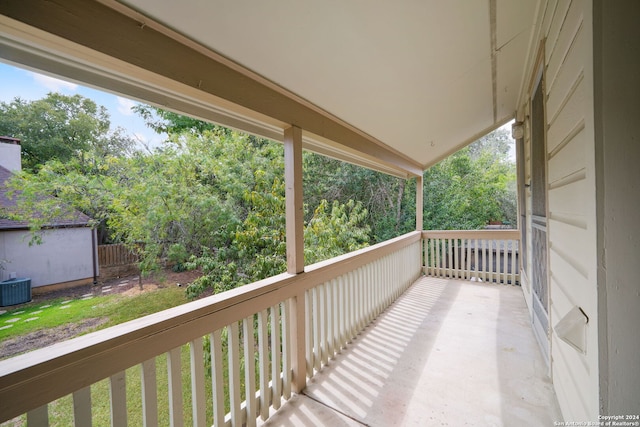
(566, 30)
(616, 69)
(66, 255)
(10, 156)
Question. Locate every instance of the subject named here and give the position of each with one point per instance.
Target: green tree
(472, 187)
(388, 201)
(58, 127)
(335, 229)
(170, 123)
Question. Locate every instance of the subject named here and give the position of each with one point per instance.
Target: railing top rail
(103, 353)
(472, 234)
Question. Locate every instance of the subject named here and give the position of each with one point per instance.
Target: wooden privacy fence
(114, 255)
(116, 261)
(486, 255)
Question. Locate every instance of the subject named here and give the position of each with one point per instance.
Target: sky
(28, 85)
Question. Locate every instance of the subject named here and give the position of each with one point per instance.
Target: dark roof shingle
(76, 219)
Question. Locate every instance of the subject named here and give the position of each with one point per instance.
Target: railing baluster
(353, 321)
(308, 333)
(369, 292)
(438, 263)
(297, 306)
(322, 317)
(355, 277)
(469, 258)
(249, 370)
(331, 318)
(443, 258)
(263, 355)
(464, 264)
(432, 254)
(174, 368)
(456, 259)
(286, 350)
(38, 417)
(82, 407)
(347, 308)
(315, 315)
(492, 261)
(149, 392)
(276, 381)
(341, 306)
(450, 258)
(118, 396)
(198, 400)
(438, 257)
(486, 265)
(504, 257)
(233, 356)
(514, 263)
(485, 260)
(475, 259)
(376, 286)
(217, 379)
(357, 301)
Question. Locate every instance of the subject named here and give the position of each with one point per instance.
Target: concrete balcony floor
(447, 352)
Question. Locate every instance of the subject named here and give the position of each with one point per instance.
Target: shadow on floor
(447, 352)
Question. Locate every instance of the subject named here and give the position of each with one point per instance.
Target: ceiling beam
(112, 29)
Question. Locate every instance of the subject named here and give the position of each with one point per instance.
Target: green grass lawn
(116, 308)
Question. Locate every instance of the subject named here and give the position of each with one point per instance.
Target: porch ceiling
(418, 78)
(421, 76)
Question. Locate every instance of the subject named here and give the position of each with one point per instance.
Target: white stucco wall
(65, 255)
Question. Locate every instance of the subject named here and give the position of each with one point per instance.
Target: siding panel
(566, 119)
(562, 59)
(570, 158)
(548, 16)
(567, 79)
(567, 356)
(568, 242)
(571, 204)
(556, 25)
(568, 199)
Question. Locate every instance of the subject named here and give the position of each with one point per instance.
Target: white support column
(295, 252)
(293, 195)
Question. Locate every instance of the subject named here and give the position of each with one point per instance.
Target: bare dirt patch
(137, 290)
(46, 337)
(121, 285)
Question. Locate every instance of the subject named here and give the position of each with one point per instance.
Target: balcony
(364, 338)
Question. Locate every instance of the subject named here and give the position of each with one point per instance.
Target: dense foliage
(473, 187)
(59, 127)
(213, 199)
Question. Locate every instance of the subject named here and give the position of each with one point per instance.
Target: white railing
(288, 325)
(483, 255)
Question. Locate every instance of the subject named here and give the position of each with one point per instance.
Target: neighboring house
(67, 255)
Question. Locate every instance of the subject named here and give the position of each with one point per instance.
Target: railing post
(298, 349)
